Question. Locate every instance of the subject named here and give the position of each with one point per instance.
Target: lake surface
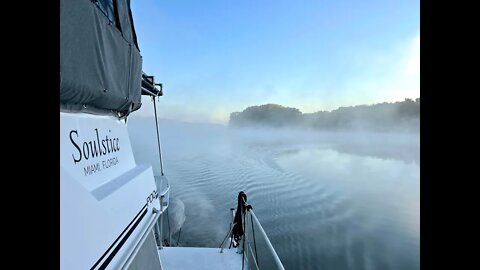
(327, 200)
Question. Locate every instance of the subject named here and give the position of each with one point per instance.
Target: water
(326, 200)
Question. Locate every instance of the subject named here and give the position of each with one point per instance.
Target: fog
(337, 199)
(177, 135)
(397, 117)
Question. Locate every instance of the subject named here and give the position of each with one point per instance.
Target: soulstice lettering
(91, 149)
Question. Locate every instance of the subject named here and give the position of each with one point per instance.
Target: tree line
(402, 115)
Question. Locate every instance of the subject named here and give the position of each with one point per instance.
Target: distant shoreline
(402, 115)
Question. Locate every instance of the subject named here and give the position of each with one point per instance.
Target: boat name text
(92, 149)
(95, 148)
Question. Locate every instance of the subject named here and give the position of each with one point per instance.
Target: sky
(215, 57)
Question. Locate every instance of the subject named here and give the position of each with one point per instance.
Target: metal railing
(250, 254)
(278, 263)
(253, 241)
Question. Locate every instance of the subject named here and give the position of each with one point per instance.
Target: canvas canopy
(100, 62)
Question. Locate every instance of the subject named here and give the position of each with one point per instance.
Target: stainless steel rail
(267, 241)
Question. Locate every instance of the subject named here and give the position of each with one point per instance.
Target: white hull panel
(105, 214)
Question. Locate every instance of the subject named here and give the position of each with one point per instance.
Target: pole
(158, 137)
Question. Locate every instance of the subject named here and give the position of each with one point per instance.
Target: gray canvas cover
(100, 64)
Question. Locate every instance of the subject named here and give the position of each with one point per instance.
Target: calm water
(326, 200)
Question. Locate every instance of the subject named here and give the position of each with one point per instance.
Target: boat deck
(180, 258)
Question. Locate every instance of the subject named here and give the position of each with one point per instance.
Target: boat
(111, 208)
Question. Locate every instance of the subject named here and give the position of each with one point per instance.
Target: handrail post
(158, 137)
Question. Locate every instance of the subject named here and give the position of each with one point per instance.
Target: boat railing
(163, 191)
(255, 246)
(259, 242)
(259, 251)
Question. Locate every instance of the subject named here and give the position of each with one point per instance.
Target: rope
(238, 228)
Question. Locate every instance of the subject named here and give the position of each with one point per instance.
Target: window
(109, 8)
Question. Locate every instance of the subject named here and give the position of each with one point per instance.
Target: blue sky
(220, 56)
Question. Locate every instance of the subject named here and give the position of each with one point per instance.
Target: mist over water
(327, 200)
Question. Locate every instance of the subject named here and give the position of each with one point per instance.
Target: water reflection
(326, 200)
